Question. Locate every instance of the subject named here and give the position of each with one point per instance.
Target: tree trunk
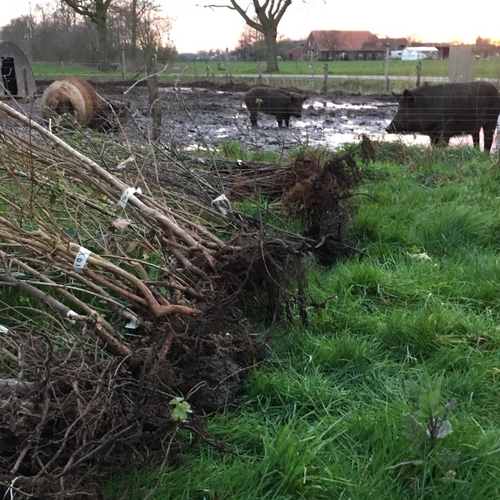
(153, 95)
(97, 12)
(102, 32)
(271, 51)
(133, 30)
(269, 15)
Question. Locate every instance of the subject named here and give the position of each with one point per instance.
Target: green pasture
(484, 68)
(342, 74)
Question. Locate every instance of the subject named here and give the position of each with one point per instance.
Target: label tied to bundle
(222, 204)
(126, 196)
(70, 314)
(133, 323)
(81, 259)
(4, 329)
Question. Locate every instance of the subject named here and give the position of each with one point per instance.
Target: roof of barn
(345, 40)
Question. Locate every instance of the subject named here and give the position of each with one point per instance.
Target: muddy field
(204, 117)
(201, 115)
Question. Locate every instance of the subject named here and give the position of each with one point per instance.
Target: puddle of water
(189, 90)
(332, 105)
(347, 132)
(333, 138)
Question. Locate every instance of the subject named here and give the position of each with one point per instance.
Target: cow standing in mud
(272, 101)
(448, 110)
(78, 99)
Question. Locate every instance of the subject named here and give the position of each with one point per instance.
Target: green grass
(417, 311)
(484, 68)
(189, 71)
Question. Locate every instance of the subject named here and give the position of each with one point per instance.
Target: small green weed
(430, 422)
(181, 409)
(427, 425)
(233, 150)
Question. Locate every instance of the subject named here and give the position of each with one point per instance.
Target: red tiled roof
(327, 40)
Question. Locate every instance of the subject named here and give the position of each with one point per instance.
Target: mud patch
(203, 115)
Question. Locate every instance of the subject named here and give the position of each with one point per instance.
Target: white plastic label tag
(222, 204)
(126, 196)
(69, 315)
(133, 323)
(81, 259)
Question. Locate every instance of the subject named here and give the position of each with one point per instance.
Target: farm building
(396, 44)
(419, 53)
(334, 45)
(295, 54)
(17, 76)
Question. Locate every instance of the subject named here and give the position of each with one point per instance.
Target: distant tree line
(251, 46)
(485, 47)
(56, 32)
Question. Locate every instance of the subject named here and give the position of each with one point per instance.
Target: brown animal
(272, 101)
(78, 98)
(444, 111)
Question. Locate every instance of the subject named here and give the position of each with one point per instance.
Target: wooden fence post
(152, 79)
(209, 72)
(386, 68)
(325, 79)
(227, 65)
(123, 63)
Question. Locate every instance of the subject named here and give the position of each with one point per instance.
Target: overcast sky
(198, 28)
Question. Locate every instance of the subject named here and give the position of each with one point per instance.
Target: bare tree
(141, 24)
(133, 27)
(269, 14)
(485, 47)
(251, 43)
(331, 40)
(138, 26)
(40, 34)
(97, 12)
(153, 31)
(413, 39)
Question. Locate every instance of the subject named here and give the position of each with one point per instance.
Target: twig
(145, 78)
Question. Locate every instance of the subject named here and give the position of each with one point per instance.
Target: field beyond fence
(351, 76)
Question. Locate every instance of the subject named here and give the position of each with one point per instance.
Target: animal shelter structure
(17, 77)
